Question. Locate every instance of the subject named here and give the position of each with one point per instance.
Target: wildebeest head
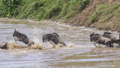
(94, 36)
(107, 34)
(45, 38)
(54, 37)
(112, 36)
(91, 36)
(15, 33)
(19, 36)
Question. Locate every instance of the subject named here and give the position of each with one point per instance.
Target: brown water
(82, 54)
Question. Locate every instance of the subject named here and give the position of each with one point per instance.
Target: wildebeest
(3, 45)
(97, 38)
(115, 38)
(53, 38)
(22, 37)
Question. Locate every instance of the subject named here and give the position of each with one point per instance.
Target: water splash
(70, 45)
(14, 45)
(37, 45)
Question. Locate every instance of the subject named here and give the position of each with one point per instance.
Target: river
(80, 53)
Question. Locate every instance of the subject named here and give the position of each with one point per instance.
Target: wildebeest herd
(107, 39)
(51, 37)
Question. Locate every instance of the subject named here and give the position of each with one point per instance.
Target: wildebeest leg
(95, 44)
(111, 45)
(108, 45)
(54, 45)
(119, 43)
(30, 43)
(16, 39)
(63, 44)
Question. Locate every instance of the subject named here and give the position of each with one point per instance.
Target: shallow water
(82, 54)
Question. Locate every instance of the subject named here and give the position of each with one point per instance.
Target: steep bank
(101, 14)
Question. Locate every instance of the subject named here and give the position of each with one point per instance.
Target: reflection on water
(80, 52)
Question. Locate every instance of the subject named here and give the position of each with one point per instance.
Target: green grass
(104, 12)
(8, 8)
(44, 9)
(99, 10)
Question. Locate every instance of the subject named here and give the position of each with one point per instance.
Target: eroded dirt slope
(82, 19)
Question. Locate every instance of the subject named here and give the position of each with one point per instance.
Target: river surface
(80, 53)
